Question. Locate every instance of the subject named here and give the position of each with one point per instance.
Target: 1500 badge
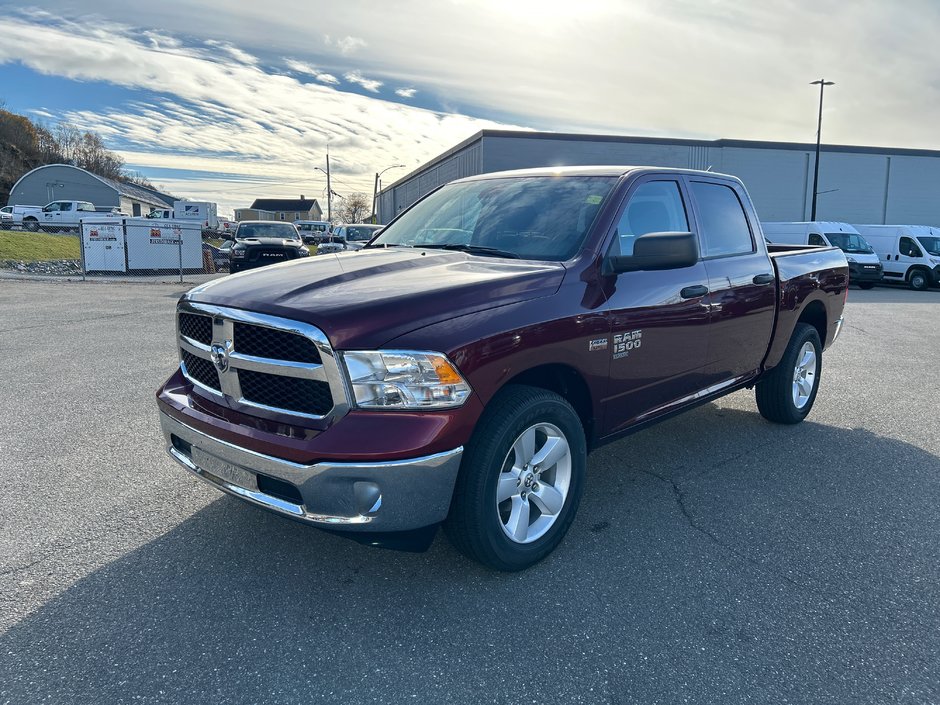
(625, 342)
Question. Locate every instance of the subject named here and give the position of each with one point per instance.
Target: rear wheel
(919, 280)
(520, 480)
(31, 224)
(788, 393)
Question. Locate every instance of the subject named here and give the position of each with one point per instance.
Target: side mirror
(657, 251)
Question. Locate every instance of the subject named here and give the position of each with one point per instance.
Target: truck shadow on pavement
(714, 558)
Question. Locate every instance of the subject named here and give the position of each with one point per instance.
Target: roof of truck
(591, 170)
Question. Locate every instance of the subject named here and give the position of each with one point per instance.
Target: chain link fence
(121, 249)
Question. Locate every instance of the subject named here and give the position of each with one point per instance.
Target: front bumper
(396, 495)
(865, 273)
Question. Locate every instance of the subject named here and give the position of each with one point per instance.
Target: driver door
(658, 319)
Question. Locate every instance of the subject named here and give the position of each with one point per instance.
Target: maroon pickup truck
(461, 366)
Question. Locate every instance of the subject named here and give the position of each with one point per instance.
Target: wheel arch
(567, 382)
(815, 315)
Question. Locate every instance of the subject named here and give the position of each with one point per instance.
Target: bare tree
(354, 208)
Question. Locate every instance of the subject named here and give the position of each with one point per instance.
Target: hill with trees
(25, 145)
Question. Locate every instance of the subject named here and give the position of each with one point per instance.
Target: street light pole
(375, 190)
(822, 83)
(329, 189)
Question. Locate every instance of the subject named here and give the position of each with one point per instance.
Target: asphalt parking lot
(716, 558)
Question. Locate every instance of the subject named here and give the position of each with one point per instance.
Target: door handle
(763, 279)
(692, 292)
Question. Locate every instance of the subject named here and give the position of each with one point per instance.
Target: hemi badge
(597, 344)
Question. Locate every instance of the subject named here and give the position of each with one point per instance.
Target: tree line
(25, 145)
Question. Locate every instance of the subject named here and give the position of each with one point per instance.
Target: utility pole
(375, 191)
(329, 188)
(822, 84)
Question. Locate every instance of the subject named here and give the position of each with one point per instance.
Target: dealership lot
(715, 557)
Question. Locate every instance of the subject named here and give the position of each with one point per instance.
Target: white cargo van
(865, 269)
(909, 253)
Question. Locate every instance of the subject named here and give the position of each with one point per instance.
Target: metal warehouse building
(70, 183)
(856, 184)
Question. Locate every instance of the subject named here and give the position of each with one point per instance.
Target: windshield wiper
(475, 250)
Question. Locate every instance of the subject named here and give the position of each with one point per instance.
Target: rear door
(659, 321)
(741, 280)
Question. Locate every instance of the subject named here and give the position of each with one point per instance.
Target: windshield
(359, 233)
(931, 244)
(850, 242)
(538, 217)
(285, 230)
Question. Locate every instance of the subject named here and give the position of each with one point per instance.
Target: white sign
(103, 245)
(154, 244)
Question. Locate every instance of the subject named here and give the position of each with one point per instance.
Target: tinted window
(724, 225)
(358, 233)
(285, 230)
(909, 249)
(536, 217)
(654, 207)
(815, 239)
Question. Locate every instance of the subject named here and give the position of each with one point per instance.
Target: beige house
(286, 209)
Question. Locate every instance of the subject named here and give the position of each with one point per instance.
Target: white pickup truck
(60, 215)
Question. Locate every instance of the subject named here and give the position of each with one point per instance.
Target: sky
(227, 101)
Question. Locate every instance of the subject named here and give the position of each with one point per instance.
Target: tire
(521, 530)
(788, 393)
(866, 285)
(31, 224)
(919, 280)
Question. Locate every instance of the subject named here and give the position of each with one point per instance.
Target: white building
(856, 184)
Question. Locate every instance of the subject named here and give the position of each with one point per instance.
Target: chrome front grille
(263, 365)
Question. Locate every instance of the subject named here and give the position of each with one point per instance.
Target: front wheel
(918, 280)
(787, 394)
(520, 480)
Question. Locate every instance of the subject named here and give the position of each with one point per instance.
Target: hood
(363, 299)
(269, 241)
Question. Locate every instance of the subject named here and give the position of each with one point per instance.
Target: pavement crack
(681, 503)
(68, 323)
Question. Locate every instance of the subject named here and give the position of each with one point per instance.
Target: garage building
(64, 182)
(856, 184)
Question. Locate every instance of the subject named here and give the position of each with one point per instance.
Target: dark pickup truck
(460, 367)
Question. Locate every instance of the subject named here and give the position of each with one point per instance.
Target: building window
(282, 216)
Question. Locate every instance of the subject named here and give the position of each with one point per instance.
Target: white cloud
(304, 67)
(367, 83)
(246, 131)
(715, 68)
(347, 45)
(406, 92)
(242, 57)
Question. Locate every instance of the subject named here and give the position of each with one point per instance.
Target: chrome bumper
(391, 496)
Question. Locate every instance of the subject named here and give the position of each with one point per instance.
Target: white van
(910, 253)
(865, 269)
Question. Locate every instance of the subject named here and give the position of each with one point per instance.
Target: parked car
(60, 215)
(465, 382)
(6, 217)
(864, 267)
(347, 238)
(909, 253)
(261, 242)
(313, 232)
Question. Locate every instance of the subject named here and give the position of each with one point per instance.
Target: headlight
(303, 250)
(851, 260)
(935, 261)
(238, 254)
(404, 379)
